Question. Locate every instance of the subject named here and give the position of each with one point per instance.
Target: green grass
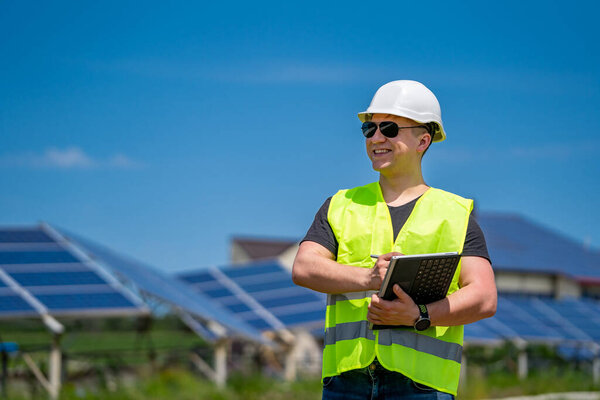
(110, 359)
(181, 384)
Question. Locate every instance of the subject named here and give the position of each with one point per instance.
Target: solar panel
(481, 331)
(36, 257)
(24, 236)
(89, 301)
(45, 274)
(57, 278)
(515, 312)
(262, 294)
(167, 288)
(12, 304)
(578, 315)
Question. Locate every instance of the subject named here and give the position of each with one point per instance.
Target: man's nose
(378, 136)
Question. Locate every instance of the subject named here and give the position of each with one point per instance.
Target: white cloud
(71, 157)
(67, 158)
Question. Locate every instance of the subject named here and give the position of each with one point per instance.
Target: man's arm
(476, 299)
(315, 268)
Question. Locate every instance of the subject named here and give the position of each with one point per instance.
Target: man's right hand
(380, 268)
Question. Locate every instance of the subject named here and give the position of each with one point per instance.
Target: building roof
(518, 243)
(260, 249)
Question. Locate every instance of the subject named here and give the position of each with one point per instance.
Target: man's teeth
(381, 151)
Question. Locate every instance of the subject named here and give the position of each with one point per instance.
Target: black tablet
(425, 277)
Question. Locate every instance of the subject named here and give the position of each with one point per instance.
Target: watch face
(422, 324)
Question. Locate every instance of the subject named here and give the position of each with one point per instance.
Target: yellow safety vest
(362, 225)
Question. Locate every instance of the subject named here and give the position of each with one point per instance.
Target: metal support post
(596, 364)
(221, 362)
(522, 363)
(55, 367)
(290, 364)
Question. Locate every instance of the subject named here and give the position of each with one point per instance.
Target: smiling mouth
(381, 151)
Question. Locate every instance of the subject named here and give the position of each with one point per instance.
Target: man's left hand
(400, 311)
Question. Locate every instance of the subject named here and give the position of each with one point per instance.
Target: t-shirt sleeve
(475, 241)
(320, 231)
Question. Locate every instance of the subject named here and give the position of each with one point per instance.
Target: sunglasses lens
(389, 129)
(368, 129)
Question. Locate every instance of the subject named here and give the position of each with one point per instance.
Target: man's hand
(400, 311)
(380, 268)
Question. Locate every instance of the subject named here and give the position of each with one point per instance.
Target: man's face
(397, 154)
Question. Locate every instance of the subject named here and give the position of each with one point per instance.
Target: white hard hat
(408, 99)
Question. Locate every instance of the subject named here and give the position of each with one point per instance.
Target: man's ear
(424, 142)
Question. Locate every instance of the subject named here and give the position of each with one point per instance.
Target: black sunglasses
(388, 128)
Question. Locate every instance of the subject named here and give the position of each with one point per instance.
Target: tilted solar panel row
(41, 272)
(170, 290)
(271, 287)
(261, 294)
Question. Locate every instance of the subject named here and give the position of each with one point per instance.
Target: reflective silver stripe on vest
(387, 337)
(348, 331)
(425, 344)
(334, 298)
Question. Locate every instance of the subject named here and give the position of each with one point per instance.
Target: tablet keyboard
(433, 279)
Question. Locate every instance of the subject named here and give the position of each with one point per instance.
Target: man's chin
(379, 167)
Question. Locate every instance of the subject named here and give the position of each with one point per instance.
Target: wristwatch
(423, 322)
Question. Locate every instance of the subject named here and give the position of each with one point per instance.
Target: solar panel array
(516, 243)
(541, 319)
(262, 294)
(169, 290)
(41, 273)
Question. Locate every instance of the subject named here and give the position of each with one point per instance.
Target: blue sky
(165, 129)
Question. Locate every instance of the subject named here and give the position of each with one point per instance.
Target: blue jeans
(376, 383)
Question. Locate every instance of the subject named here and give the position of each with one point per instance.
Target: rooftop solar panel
(517, 243)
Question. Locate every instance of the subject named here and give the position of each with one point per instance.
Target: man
(400, 214)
